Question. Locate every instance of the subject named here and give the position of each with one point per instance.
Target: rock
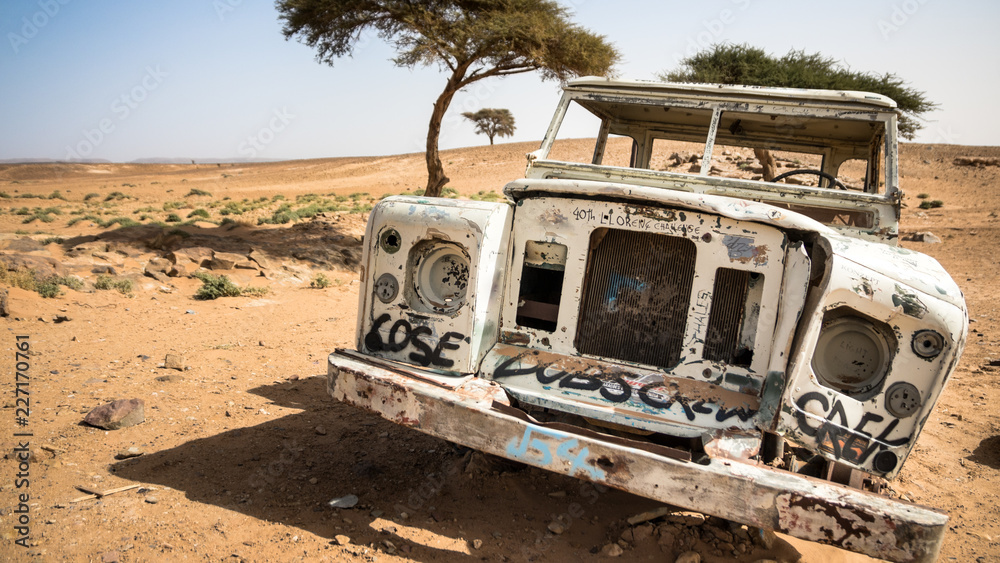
(923, 236)
(44, 266)
(182, 269)
(104, 269)
(172, 378)
(4, 304)
(556, 527)
(347, 501)
(720, 534)
(229, 260)
(111, 557)
(341, 539)
(688, 557)
(313, 481)
(200, 255)
(764, 538)
(665, 538)
(161, 265)
(687, 518)
(128, 453)
(152, 500)
(159, 276)
(612, 550)
(558, 494)
(649, 515)
(641, 533)
(976, 161)
(258, 257)
(174, 361)
(321, 430)
(118, 414)
(23, 244)
(60, 319)
(477, 544)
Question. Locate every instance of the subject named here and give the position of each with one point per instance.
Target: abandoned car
(663, 312)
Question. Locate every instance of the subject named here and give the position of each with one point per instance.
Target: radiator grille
(725, 322)
(636, 296)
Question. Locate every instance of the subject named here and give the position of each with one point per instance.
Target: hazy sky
(215, 78)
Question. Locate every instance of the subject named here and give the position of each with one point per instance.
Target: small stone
(477, 544)
(58, 319)
(612, 550)
(341, 539)
(313, 481)
(321, 430)
(190, 312)
(558, 494)
(640, 533)
(118, 414)
(174, 361)
(261, 343)
(688, 557)
(347, 501)
(129, 452)
(152, 500)
(649, 515)
(686, 518)
(172, 378)
(111, 557)
(556, 527)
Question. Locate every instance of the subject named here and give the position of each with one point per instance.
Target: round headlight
(442, 277)
(852, 355)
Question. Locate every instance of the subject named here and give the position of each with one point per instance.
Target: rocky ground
(241, 450)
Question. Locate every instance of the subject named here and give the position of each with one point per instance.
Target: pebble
(152, 500)
(477, 544)
(556, 527)
(128, 453)
(313, 481)
(341, 539)
(321, 430)
(688, 557)
(347, 501)
(612, 550)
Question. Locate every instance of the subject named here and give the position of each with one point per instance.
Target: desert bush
(50, 240)
(115, 196)
(199, 213)
(196, 191)
(214, 287)
(253, 291)
(48, 288)
(57, 195)
(173, 218)
(320, 282)
(91, 195)
(931, 204)
(106, 282)
(169, 205)
(22, 277)
(923, 196)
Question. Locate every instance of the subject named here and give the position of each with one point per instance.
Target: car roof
(734, 92)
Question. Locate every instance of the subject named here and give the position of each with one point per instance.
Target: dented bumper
(476, 413)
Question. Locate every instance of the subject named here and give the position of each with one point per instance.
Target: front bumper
(476, 413)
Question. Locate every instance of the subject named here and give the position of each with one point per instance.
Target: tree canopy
(743, 64)
(492, 122)
(469, 39)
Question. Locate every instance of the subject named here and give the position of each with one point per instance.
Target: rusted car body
(689, 328)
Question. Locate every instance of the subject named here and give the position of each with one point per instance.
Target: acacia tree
(743, 64)
(492, 122)
(470, 39)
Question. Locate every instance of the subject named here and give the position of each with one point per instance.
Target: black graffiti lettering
(725, 414)
(800, 414)
(504, 369)
(543, 377)
(424, 355)
(853, 445)
(644, 395)
(700, 408)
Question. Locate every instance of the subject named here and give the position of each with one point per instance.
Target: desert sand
(242, 449)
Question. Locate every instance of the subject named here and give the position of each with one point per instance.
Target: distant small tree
(469, 39)
(492, 122)
(743, 64)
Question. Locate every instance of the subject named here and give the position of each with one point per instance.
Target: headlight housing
(853, 353)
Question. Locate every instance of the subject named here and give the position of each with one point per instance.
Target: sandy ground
(243, 449)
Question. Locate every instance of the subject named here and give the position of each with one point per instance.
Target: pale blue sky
(207, 79)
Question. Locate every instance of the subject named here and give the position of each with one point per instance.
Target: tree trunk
(436, 180)
(491, 140)
(766, 163)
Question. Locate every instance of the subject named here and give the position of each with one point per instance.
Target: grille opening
(732, 321)
(636, 296)
(541, 285)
